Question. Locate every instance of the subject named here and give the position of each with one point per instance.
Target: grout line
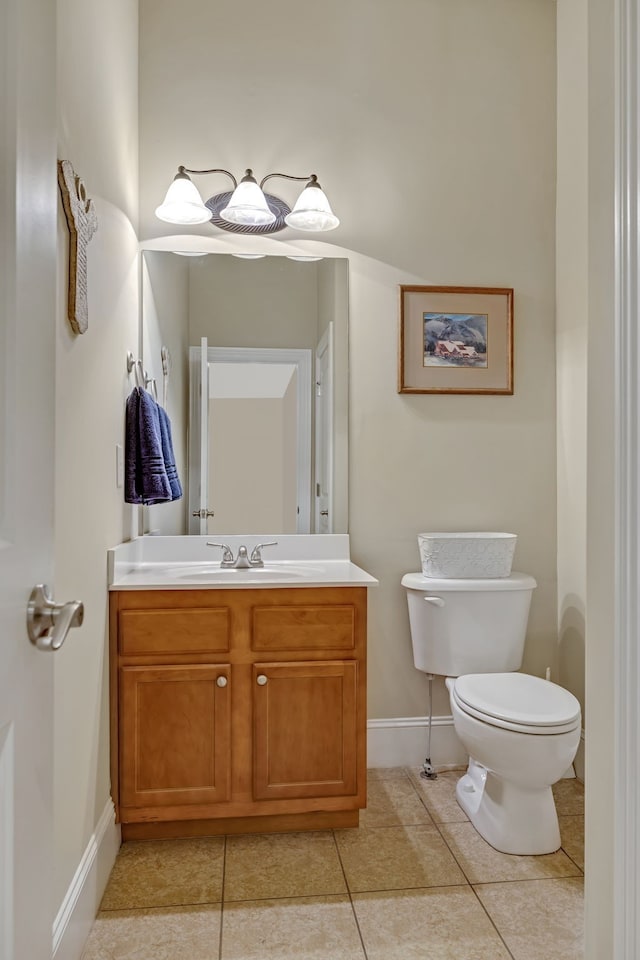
(489, 883)
(224, 871)
(159, 906)
(295, 896)
(353, 909)
(492, 921)
(469, 883)
(438, 825)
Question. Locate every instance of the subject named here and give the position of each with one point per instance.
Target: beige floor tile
(538, 919)
(396, 858)
(441, 923)
(309, 928)
(282, 865)
(569, 797)
(168, 933)
(392, 803)
(158, 873)
(440, 795)
(482, 864)
(386, 773)
(572, 834)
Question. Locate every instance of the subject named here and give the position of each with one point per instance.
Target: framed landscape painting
(456, 340)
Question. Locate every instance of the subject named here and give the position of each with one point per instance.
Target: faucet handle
(256, 555)
(227, 552)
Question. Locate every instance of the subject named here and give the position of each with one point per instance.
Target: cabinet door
(174, 735)
(305, 729)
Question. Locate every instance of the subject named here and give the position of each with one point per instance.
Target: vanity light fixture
(247, 209)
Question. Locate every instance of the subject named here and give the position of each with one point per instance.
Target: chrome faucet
(255, 560)
(243, 561)
(227, 553)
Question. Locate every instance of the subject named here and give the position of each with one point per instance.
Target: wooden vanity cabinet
(238, 710)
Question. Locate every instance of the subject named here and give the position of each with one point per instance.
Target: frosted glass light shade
(183, 203)
(312, 211)
(247, 206)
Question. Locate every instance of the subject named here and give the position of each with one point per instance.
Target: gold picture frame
(456, 340)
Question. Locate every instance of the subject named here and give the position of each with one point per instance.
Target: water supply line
(428, 770)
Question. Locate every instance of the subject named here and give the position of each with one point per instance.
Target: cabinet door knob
(261, 680)
(222, 681)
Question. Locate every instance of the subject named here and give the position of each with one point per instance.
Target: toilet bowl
(521, 732)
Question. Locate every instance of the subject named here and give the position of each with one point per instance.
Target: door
(305, 729)
(198, 440)
(28, 198)
(324, 433)
(240, 476)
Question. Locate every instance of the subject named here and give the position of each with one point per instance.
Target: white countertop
(187, 563)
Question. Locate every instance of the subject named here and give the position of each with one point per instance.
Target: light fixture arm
(312, 178)
(182, 171)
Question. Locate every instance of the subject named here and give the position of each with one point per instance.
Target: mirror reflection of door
(324, 433)
(251, 447)
(253, 453)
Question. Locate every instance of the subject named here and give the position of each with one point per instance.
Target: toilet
(521, 732)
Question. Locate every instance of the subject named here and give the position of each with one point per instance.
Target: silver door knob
(48, 623)
(222, 681)
(203, 514)
(324, 513)
(261, 680)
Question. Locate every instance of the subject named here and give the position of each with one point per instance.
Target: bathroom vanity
(238, 698)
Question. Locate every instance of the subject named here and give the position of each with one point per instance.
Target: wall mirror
(256, 390)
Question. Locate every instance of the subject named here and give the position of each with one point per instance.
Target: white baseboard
(402, 741)
(80, 905)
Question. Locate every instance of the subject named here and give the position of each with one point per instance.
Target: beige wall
(431, 126)
(97, 123)
(253, 303)
(572, 315)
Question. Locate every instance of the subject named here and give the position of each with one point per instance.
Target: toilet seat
(518, 702)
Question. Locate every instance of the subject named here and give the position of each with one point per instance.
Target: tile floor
(415, 882)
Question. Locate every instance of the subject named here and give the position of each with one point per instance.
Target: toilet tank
(468, 626)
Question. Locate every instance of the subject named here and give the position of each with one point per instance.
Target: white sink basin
(208, 573)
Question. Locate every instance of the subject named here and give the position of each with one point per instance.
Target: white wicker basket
(453, 556)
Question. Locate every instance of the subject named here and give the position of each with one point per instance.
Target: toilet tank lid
(518, 697)
(516, 581)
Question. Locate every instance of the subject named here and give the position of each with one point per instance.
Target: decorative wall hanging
(82, 223)
(456, 340)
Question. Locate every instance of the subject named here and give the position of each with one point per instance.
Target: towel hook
(166, 367)
(151, 382)
(135, 366)
(140, 374)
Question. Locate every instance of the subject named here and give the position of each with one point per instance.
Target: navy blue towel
(131, 492)
(168, 454)
(146, 478)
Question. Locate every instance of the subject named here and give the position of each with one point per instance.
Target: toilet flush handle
(436, 601)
